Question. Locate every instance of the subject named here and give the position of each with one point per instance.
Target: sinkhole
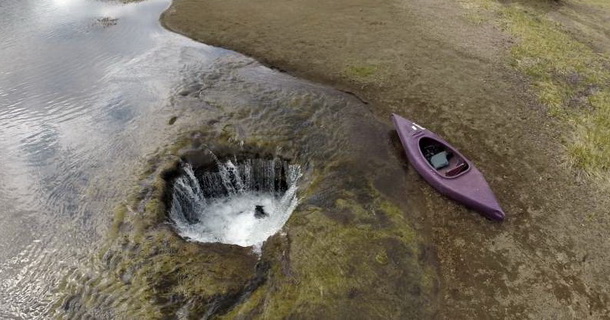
(240, 201)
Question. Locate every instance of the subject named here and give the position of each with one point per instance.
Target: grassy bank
(518, 86)
(389, 55)
(557, 47)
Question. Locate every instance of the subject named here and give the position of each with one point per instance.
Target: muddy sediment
(429, 61)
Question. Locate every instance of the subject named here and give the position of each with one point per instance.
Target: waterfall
(221, 205)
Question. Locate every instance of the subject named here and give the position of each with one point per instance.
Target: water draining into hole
(236, 202)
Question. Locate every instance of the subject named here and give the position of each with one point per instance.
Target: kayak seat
(457, 170)
(439, 160)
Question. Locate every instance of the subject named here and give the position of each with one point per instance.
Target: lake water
(90, 91)
(83, 85)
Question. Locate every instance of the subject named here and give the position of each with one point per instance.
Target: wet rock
(107, 22)
(259, 212)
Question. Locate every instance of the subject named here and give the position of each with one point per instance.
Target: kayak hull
(468, 187)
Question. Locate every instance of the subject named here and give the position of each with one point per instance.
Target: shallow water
(87, 91)
(94, 89)
(79, 98)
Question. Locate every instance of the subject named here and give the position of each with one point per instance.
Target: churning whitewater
(241, 203)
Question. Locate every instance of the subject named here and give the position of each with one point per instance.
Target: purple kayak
(446, 169)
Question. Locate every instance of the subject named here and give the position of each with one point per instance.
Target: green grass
(591, 146)
(360, 71)
(570, 78)
(598, 3)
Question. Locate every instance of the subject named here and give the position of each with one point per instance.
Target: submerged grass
(569, 76)
(361, 71)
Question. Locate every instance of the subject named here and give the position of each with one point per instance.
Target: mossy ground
(570, 75)
(451, 66)
(354, 259)
(360, 71)
(442, 73)
(354, 255)
(145, 261)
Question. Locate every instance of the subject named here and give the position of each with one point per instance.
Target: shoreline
(454, 77)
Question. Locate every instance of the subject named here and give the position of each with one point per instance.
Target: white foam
(230, 218)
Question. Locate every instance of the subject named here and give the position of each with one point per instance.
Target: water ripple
(82, 105)
(74, 101)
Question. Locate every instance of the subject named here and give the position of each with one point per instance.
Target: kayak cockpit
(441, 158)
